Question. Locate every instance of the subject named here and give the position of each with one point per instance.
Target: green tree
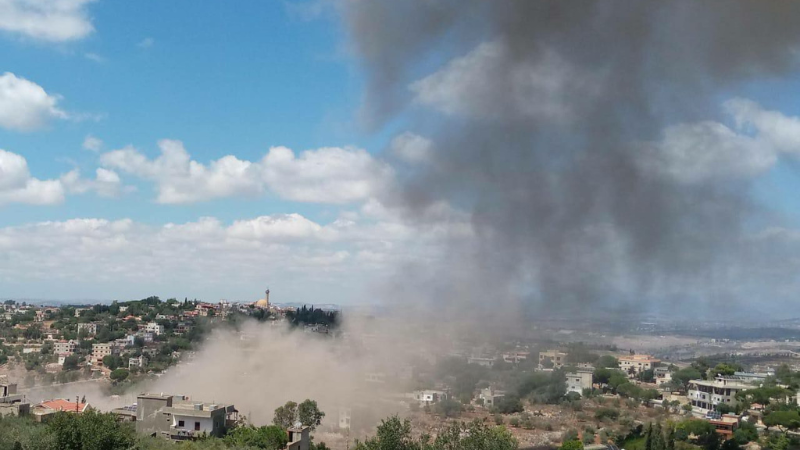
(309, 414)
(90, 431)
(786, 419)
(119, 375)
(286, 415)
(572, 445)
(392, 434)
(607, 361)
(70, 362)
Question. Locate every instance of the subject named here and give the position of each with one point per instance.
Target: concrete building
(89, 328)
(299, 438)
(177, 418)
(552, 357)
(637, 363)
(662, 375)
(45, 410)
(515, 357)
(490, 397)
(62, 347)
(430, 397)
(154, 328)
(100, 351)
(11, 403)
(705, 395)
(579, 380)
(139, 362)
(485, 362)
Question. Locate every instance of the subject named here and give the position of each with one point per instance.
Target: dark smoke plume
(542, 112)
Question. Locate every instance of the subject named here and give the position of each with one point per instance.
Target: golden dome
(263, 303)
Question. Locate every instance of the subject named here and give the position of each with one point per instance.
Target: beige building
(557, 358)
(579, 380)
(637, 363)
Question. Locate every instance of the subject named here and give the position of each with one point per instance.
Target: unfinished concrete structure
(177, 418)
(11, 403)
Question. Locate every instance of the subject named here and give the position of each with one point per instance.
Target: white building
(578, 381)
(490, 397)
(154, 328)
(139, 362)
(705, 395)
(90, 328)
(429, 397)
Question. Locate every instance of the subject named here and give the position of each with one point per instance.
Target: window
(197, 426)
(181, 423)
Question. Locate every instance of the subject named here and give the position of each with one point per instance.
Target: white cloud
(92, 143)
(327, 175)
(146, 42)
(489, 78)
(208, 255)
(412, 148)
(17, 185)
(47, 20)
(24, 105)
(696, 152)
(106, 183)
(94, 57)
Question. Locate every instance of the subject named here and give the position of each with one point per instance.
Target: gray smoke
(543, 114)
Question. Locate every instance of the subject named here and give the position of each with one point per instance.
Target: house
(299, 437)
(515, 357)
(490, 397)
(177, 418)
(45, 410)
(485, 362)
(725, 425)
(62, 347)
(552, 358)
(429, 397)
(662, 375)
(89, 328)
(100, 351)
(154, 328)
(637, 363)
(705, 395)
(579, 380)
(139, 362)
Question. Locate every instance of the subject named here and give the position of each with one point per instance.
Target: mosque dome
(263, 303)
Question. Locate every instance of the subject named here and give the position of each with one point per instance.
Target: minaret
(267, 297)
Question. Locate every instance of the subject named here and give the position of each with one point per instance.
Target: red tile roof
(64, 405)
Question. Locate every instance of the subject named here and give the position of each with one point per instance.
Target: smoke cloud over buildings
(599, 147)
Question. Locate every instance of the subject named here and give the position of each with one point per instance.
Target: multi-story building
(89, 328)
(579, 380)
(64, 347)
(637, 363)
(705, 395)
(154, 328)
(177, 418)
(139, 362)
(11, 403)
(100, 351)
(552, 357)
(490, 397)
(662, 375)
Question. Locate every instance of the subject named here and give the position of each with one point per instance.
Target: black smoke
(538, 133)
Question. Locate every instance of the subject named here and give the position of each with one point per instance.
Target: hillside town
(545, 393)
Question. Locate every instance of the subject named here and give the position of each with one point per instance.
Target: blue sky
(207, 149)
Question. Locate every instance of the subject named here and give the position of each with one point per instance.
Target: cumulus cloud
(695, 152)
(106, 183)
(326, 175)
(92, 143)
(24, 105)
(302, 256)
(50, 20)
(18, 186)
